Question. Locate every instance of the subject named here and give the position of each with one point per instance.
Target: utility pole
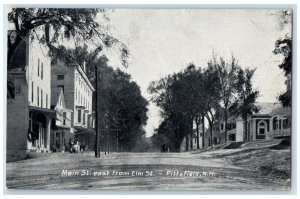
(97, 147)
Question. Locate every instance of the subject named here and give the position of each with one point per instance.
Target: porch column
(48, 137)
(281, 126)
(271, 128)
(254, 129)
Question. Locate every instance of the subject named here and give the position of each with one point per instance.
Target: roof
(49, 112)
(266, 108)
(282, 111)
(84, 76)
(57, 94)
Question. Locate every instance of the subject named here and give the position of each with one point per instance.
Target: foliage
(122, 106)
(227, 75)
(285, 98)
(184, 97)
(246, 97)
(194, 93)
(55, 26)
(284, 47)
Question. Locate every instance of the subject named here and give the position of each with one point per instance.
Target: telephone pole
(97, 144)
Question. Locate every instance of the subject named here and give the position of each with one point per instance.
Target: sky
(164, 41)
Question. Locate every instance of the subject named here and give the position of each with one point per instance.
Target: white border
(163, 3)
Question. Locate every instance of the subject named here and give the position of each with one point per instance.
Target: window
(275, 123)
(42, 71)
(38, 67)
(83, 118)
(38, 96)
(76, 93)
(32, 91)
(222, 126)
(286, 123)
(42, 98)
(60, 77)
(62, 87)
(261, 128)
(280, 127)
(79, 115)
(64, 120)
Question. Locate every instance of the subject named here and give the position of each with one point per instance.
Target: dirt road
(136, 171)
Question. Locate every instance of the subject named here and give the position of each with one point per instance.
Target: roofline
(78, 67)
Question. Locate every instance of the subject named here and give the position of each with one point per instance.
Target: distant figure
(164, 148)
(82, 146)
(70, 144)
(76, 147)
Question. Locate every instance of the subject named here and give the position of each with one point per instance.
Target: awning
(48, 112)
(82, 130)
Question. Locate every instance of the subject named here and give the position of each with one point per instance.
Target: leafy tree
(181, 98)
(227, 75)
(211, 93)
(284, 47)
(171, 95)
(246, 97)
(52, 26)
(123, 107)
(165, 136)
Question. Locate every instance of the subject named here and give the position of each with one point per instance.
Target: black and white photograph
(149, 99)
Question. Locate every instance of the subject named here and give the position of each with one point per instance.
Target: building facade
(62, 132)
(30, 67)
(78, 95)
(271, 121)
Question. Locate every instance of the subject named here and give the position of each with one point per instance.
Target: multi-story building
(78, 95)
(62, 132)
(29, 114)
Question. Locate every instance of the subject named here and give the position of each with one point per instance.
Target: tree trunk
(191, 134)
(226, 118)
(210, 129)
(211, 132)
(197, 129)
(203, 133)
(187, 142)
(246, 135)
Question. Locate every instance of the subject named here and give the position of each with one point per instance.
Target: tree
(246, 98)
(181, 98)
(165, 137)
(52, 26)
(171, 94)
(227, 74)
(123, 107)
(284, 47)
(211, 93)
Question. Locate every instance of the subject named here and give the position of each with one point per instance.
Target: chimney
(84, 66)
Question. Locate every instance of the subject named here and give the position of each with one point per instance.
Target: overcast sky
(164, 41)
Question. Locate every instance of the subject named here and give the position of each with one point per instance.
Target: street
(138, 171)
